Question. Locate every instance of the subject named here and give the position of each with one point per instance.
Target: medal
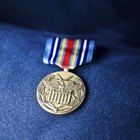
(62, 92)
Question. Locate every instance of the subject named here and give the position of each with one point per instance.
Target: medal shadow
(99, 54)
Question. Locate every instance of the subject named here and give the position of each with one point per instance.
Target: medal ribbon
(68, 53)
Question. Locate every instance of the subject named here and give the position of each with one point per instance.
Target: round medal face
(60, 92)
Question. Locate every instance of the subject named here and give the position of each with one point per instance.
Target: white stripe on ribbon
(83, 52)
(54, 51)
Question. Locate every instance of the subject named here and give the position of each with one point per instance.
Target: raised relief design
(61, 92)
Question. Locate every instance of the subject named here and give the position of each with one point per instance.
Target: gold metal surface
(60, 92)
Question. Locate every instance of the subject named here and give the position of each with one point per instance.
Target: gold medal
(61, 92)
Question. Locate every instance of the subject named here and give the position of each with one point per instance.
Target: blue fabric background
(111, 110)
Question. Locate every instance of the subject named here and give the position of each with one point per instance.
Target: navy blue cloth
(73, 16)
(111, 110)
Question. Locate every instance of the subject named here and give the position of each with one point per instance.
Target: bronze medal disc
(60, 92)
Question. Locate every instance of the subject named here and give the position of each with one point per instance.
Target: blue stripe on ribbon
(47, 50)
(86, 52)
(90, 51)
(57, 50)
(80, 53)
(51, 52)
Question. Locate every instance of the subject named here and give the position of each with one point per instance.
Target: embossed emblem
(60, 92)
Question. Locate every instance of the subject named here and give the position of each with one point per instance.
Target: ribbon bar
(68, 53)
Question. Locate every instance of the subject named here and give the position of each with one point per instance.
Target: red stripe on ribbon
(68, 52)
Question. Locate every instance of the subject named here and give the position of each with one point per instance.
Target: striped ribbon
(68, 53)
